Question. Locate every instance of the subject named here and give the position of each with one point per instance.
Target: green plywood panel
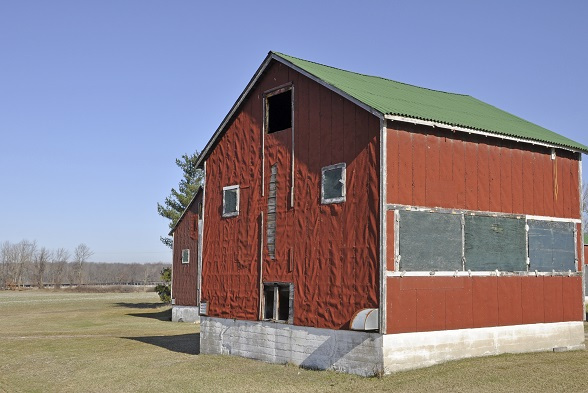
(400, 99)
(551, 246)
(430, 241)
(495, 243)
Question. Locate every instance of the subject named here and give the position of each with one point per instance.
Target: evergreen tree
(164, 290)
(175, 204)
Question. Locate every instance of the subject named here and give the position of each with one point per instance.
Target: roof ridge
(370, 76)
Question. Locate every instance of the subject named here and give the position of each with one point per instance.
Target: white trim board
(393, 206)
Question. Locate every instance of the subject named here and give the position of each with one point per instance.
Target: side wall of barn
(471, 175)
(185, 275)
(327, 252)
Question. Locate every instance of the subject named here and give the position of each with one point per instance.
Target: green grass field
(108, 342)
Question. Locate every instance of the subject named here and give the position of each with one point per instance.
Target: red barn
(360, 224)
(186, 262)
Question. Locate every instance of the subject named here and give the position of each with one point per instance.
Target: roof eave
(185, 211)
(342, 93)
(479, 132)
(236, 105)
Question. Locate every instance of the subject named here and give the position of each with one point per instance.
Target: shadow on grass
(183, 343)
(139, 305)
(164, 315)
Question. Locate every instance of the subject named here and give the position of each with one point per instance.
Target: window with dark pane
(279, 111)
(333, 184)
(278, 302)
(185, 255)
(230, 201)
(268, 298)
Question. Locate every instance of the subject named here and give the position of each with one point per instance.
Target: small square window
(231, 201)
(185, 255)
(333, 184)
(278, 302)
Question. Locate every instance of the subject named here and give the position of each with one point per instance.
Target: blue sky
(98, 98)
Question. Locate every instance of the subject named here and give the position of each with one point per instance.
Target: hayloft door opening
(278, 186)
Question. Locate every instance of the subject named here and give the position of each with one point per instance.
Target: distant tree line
(25, 264)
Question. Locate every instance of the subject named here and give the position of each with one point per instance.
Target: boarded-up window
(495, 243)
(231, 201)
(271, 212)
(551, 246)
(430, 241)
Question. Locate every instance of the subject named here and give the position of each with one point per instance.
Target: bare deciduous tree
(58, 265)
(24, 263)
(23, 254)
(40, 260)
(81, 255)
(5, 251)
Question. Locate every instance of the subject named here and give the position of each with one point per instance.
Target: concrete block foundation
(185, 314)
(340, 350)
(407, 351)
(367, 354)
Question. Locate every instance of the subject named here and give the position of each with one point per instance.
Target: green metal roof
(399, 99)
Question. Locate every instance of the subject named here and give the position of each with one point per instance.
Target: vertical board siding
(540, 171)
(471, 178)
(517, 189)
(418, 304)
(506, 194)
(405, 165)
(433, 167)
(483, 177)
(494, 191)
(329, 252)
(510, 302)
(185, 275)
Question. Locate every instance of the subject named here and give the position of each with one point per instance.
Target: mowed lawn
(109, 342)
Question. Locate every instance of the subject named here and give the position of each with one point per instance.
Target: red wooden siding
(438, 168)
(185, 276)
(329, 252)
(418, 304)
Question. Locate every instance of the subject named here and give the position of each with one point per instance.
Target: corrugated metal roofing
(399, 99)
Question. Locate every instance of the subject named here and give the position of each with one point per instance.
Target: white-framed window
(278, 301)
(185, 255)
(231, 201)
(333, 183)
